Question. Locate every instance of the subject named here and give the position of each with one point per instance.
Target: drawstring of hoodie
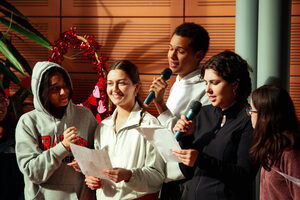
(55, 130)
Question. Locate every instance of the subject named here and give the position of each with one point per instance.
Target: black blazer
(223, 169)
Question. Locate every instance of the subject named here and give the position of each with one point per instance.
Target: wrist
(129, 176)
(160, 106)
(66, 147)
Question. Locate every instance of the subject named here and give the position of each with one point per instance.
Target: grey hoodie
(40, 155)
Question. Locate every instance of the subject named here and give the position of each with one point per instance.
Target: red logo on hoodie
(46, 142)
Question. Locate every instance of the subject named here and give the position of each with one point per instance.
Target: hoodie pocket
(57, 192)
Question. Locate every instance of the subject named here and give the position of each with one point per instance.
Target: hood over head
(38, 71)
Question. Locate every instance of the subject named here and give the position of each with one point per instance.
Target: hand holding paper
(91, 161)
(163, 140)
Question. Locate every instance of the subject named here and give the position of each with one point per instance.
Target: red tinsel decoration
(89, 45)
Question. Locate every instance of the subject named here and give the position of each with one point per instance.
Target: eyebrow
(123, 79)
(178, 47)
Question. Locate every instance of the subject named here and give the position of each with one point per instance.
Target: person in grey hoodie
(43, 136)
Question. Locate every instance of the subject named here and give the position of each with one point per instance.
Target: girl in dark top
(276, 142)
(11, 179)
(215, 154)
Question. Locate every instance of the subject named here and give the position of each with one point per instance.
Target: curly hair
(277, 128)
(232, 68)
(199, 38)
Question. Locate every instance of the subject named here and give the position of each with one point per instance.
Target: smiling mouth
(173, 65)
(117, 96)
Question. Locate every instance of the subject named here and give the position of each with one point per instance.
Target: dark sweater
(223, 169)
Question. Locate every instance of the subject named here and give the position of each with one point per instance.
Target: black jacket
(223, 169)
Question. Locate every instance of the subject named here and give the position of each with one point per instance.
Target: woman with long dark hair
(276, 142)
(138, 171)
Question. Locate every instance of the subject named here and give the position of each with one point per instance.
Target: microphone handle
(149, 98)
(189, 116)
(178, 135)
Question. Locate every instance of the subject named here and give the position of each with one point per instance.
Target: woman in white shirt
(138, 169)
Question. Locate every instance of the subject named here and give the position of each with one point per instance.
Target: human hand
(75, 165)
(184, 125)
(118, 174)
(70, 136)
(159, 86)
(186, 156)
(93, 182)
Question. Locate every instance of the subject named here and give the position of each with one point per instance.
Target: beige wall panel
(83, 86)
(113, 8)
(144, 41)
(295, 46)
(221, 31)
(37, 7)
(210, 8)
(295, 93)
(295, 62)
(295, 7)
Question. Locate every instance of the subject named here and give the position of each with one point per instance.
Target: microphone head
(166, 74)
(196, 106)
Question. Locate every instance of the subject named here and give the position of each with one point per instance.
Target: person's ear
(235, 86)
(199, 55)
(137, 88)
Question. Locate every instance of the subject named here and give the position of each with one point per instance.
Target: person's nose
(208, 89)
(62, 91)
(115, 87)
(173, 54)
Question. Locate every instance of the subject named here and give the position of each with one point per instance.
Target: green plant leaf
(11, 57)
(21, 21)
(19, 92)
(6, 33)
(17, 54)
(1, 85)
(10, 7)
(6, 80)
(10, 74)
(26, 33)
(25, 95)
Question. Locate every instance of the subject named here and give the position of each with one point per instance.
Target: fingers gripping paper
(91, 161)
(163, 140)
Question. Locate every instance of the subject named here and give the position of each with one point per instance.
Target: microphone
(166, 74)
(194, 110)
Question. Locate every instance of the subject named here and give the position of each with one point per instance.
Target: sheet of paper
(290, 178)
(91, 161)
(162, 139)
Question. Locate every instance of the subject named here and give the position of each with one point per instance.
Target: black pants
(174, 190)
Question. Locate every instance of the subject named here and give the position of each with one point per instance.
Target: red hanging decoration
(89, 46)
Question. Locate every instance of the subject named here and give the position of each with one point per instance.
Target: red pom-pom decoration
(69, 39)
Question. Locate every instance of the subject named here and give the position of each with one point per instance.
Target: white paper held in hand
(162, 139)
(91, 161)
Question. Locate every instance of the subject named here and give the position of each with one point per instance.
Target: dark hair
(199, 38)
(232, 68)
(131, 70)
(276, 128)
(45, 83)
